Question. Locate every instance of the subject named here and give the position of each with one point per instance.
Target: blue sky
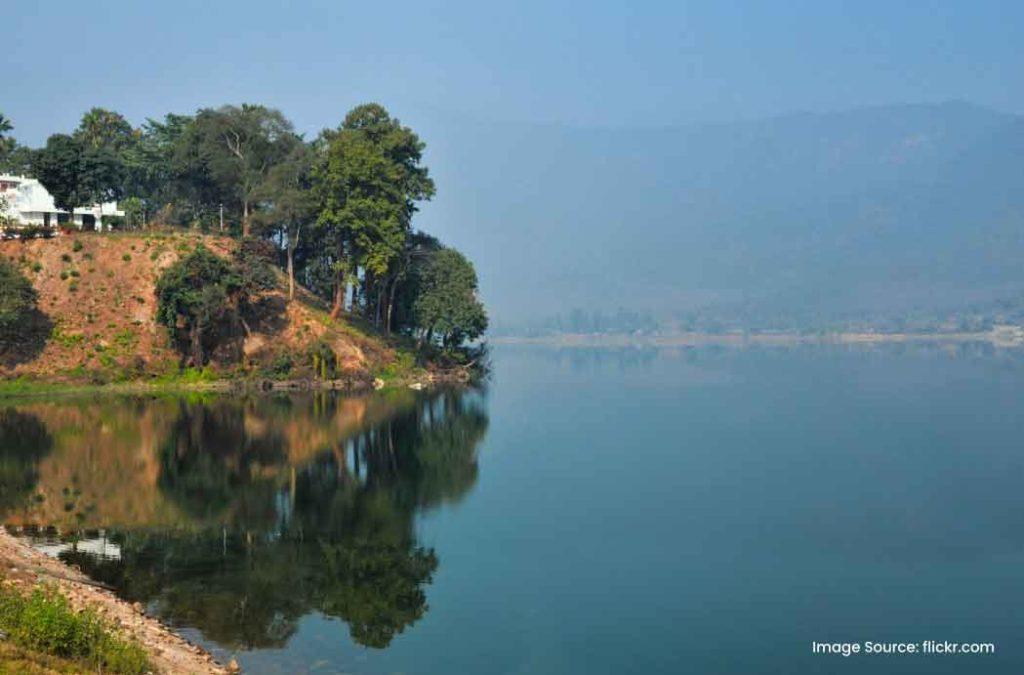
(598, 63)
(497, 91)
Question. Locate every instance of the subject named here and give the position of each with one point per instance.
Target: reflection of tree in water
(335, 536)
(24, 440)
(211, 453)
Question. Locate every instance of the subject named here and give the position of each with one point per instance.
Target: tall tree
(369, 179)
(101, 128)
(58, 168)
(290, 206)
(239, 146)
(447, 306)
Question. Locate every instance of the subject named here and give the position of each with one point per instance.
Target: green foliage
(18, 302)
(280, 368)
(192, 295)
(44, 621)
(253, 261)
(76, 173)
(368, 180)
(76, 246)
(235, 147)
(324, 360)
(446, 306)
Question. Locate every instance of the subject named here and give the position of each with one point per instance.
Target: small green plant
(280, 367)
(63, 275)
(76, 246)
(37, 267)
(66, 257)
(126, 257)
(74, 273)
(44, 621)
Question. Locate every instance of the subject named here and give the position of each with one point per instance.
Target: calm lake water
(701, 510)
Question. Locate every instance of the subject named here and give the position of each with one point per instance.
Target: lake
(706, 510)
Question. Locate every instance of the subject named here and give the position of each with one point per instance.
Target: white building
(28, 203)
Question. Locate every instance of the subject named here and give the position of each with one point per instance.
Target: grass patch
(44, 621)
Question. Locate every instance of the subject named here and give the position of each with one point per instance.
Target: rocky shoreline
(25, 567)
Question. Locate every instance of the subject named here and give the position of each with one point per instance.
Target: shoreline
(1008, 337)
(25, 568)
(37, 387)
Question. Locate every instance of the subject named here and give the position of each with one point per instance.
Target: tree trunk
(339, 295)
(196, 337)
(245, 218)
(391, 306)
(293, 243)
(291, 274)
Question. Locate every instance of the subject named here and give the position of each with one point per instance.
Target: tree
(18, 302)
(193, 294)
(77, 174)
(447, 306)
(5, 126)
(369, 179)
(290, 204)
(101, 128)
(239, 146)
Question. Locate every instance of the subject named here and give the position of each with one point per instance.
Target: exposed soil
(97, 319)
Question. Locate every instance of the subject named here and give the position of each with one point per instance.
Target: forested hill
(804, 219)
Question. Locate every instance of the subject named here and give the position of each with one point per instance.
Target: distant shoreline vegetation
(1001, 336)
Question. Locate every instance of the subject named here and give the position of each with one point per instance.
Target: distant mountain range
(801, 219)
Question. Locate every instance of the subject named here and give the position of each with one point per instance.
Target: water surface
(699, 510)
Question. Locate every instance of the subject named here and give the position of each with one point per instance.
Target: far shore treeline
(337, 209)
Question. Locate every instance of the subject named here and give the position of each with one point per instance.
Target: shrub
(44, 621)
(18, 301)
(126, 257)
(193, 294)
(76, 246)
(66, 257)
(280, 367)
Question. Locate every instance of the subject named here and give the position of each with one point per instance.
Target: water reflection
(239, 517)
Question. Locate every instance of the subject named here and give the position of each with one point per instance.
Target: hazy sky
(577, 63)
(473, 78)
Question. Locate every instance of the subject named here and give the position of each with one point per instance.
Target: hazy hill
(807, 217)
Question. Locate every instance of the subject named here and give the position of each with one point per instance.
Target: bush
(44, 621)
(77, 246)
(193, 294)
(18, 301)
(66, 257)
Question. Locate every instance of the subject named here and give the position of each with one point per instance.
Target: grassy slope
(98, 292)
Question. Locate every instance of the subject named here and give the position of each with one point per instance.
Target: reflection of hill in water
(238, 517)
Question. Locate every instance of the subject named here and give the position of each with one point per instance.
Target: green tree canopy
(238, 146)
(193, 294)
(77, 174)
(447, 307)
(369, 179)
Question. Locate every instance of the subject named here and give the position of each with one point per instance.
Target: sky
(445, 67)
(600, 63)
